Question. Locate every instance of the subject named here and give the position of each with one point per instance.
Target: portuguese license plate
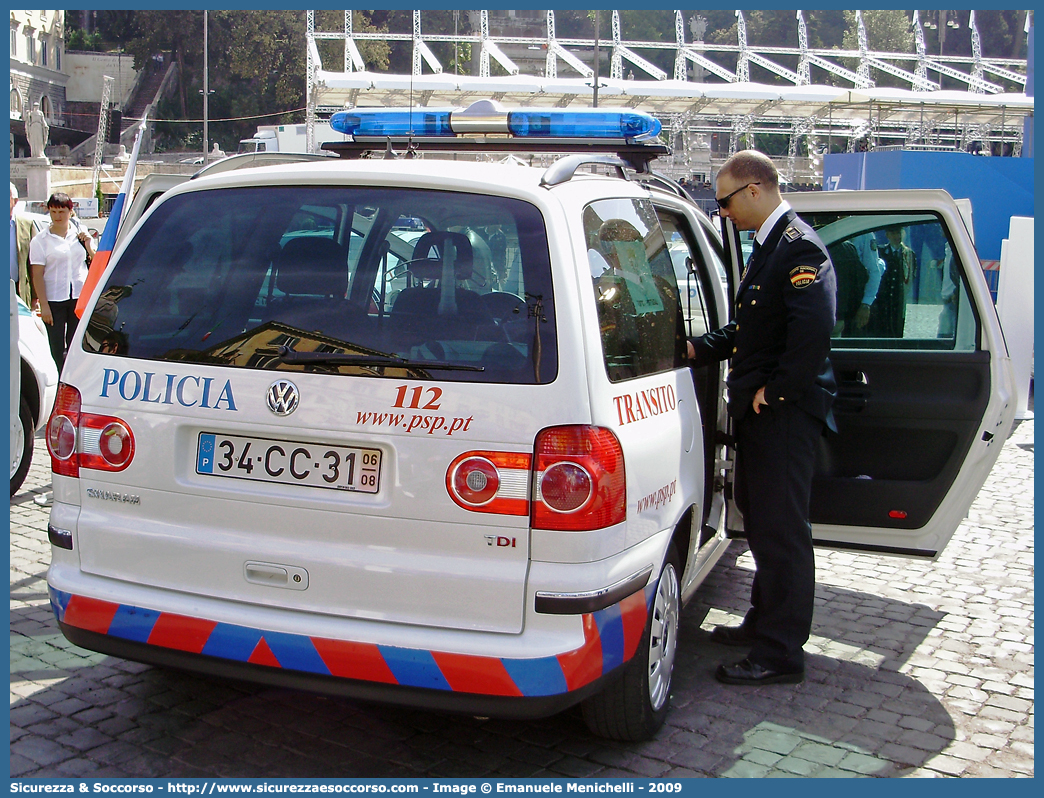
(289, 462)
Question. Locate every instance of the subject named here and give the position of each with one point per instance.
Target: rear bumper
(509, 707)
(512, 686)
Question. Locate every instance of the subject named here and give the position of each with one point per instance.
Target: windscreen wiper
(288, 355)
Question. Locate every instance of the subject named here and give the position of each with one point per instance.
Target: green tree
(79, 39)
(886, 31)
(572, 23)
(825, 28)
(398, 56)
(1002, 33)
(331, 51)
(262, 52)
(646, 25)
(256, 65)
(180, 33)
(118, 27)
(764, 28)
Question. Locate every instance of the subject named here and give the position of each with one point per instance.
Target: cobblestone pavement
(914, 669)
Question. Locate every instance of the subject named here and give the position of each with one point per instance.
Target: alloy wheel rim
(663, 637)
(19, 441)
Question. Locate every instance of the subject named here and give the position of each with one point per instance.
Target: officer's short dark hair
(751, 166)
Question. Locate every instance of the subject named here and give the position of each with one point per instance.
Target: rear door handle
(854, 379)
(853, 391)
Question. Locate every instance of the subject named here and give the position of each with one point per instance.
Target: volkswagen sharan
(420, 429)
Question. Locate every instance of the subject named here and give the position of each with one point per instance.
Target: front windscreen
(358, 281)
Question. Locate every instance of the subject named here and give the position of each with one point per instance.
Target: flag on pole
(112, 225)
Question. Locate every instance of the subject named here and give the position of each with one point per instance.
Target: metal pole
(870, 126)
(206, 94)
(596, 57)
(1004, 111)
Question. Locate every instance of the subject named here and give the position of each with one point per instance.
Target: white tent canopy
(337, 90)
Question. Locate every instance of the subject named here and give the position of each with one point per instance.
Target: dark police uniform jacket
(780, 335)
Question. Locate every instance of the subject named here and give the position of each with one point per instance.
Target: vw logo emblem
(283, 397)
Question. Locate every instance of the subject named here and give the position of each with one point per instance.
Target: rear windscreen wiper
(288, 355)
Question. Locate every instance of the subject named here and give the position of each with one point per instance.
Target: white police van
(422, 430)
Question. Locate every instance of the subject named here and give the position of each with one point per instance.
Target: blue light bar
(487, 117)
(393, 122)
(585, 124)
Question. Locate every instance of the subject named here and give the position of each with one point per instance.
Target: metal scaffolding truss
(102, 135)
(795, 104)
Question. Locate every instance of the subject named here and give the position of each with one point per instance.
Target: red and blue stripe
(611, 638)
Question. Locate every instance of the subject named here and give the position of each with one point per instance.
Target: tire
(634, 707)
(22, 460)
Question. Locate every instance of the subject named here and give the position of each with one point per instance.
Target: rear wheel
(23, 447)
(635, 706)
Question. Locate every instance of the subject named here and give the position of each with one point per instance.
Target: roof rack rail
(562, 171)
(635, 156)
(245, 160)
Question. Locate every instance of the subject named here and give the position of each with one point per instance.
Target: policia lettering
(167, 389)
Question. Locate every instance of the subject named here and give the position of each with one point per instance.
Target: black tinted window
(351, 274)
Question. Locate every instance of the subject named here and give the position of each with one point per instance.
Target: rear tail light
(61, 431)
(490, 482)
(580, 483)
(83, 440)
(577, 477)
(565, 487)
(105, 443)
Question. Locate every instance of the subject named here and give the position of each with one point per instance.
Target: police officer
(781, 388)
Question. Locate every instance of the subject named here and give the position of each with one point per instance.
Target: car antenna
(410, 151)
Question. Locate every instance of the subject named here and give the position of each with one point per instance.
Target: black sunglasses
(723, 203)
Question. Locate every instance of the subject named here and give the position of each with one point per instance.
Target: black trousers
(775, 456)
(62, 329)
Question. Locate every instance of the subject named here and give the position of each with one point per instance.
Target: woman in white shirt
(58, 263)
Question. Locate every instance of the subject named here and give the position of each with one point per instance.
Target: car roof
(399, 171)
(504, 178)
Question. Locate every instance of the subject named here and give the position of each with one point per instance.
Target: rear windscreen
(359, 281)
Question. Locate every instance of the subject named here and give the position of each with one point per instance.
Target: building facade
(38, 73)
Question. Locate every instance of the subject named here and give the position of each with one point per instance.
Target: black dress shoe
(747, 672)
(732, 635)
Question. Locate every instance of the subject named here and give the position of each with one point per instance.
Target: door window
(635, 288)
(687, 260)
(900, 284)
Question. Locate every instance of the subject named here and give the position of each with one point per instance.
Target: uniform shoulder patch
(802, 276)
(792, 233)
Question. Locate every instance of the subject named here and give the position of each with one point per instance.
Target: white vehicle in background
(287, 138)
(34, 381)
